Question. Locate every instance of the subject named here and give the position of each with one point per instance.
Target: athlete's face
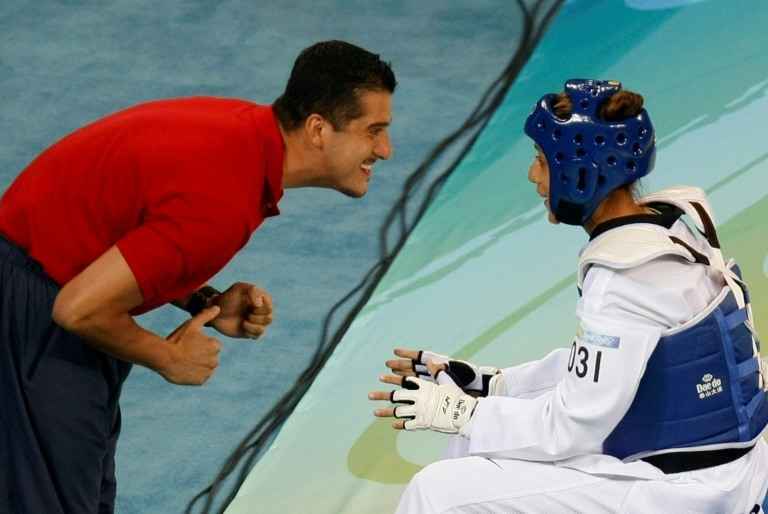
(538, 174)
(352, 150)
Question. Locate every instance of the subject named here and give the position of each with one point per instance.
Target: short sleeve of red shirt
(177, 249)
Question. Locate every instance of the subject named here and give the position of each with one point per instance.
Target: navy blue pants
(59, 411)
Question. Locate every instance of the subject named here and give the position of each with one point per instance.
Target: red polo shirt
(178, 185)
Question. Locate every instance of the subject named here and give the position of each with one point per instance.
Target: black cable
(255, 441)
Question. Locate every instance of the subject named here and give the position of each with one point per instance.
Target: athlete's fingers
(399, 424)
(379, 395)
(407, 353)
(402, 365)
(391, 379)
(434, 367)
(389, 412)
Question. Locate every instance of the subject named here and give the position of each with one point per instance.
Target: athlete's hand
(246, 311)
(473, 379)
(414, 362)
(440, 405)
(193, 355)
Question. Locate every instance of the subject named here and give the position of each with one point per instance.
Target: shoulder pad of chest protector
(633, 245)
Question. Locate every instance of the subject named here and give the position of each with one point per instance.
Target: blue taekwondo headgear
(589, 157)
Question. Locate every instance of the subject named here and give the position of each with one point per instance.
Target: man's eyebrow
(379, 124)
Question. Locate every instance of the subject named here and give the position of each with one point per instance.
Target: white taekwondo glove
(440, 406)
(482, 380)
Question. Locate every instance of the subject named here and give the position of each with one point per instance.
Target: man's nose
(383, 148)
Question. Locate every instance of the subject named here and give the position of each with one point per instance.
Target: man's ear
(314, 126)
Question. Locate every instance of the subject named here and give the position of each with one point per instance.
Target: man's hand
(246, 311)
(193, 355)
(474, 380)
(440, 406)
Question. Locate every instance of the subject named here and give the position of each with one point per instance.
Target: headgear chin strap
(589, 157)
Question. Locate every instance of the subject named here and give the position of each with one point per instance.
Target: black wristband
(200, 299)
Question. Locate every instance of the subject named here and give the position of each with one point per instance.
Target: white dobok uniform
(538, 448)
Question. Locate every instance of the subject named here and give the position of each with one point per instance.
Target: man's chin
(355, 194)
(352, 192)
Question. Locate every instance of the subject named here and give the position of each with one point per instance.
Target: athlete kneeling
(658, 404)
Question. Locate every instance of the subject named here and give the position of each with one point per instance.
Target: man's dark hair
(327, 79)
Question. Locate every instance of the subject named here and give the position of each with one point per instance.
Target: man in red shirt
(140, 209)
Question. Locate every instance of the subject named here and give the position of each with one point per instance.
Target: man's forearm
(96, 304)
(121, 337)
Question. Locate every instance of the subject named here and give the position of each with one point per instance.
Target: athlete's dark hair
(620, 106)
(327, 79)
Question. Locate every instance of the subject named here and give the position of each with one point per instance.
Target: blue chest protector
(702, 388)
